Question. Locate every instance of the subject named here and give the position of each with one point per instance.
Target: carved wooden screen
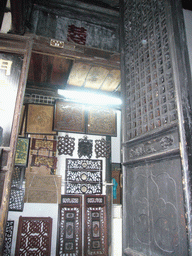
(34, 236)
(69, 226)
(153, 222)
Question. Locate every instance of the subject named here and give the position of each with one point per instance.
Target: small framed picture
(22, 152)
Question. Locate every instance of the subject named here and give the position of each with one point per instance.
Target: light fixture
(90, 98)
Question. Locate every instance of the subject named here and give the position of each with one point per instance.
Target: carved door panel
(155, 156)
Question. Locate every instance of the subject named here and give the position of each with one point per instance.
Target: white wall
(188, 27)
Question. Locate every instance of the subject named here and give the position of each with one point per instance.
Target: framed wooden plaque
(40, 119)
(69, 117)
(22, 151)
(102, 121)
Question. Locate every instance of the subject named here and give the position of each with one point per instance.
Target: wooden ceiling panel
(95, 77)
(112, 81)
(78, 74)
(57, 72)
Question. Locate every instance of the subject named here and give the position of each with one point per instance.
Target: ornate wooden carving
(40, 119)
(102, 121)
(38, 144)
(16, 201)
(103, 148)
(83, 164)
(34, 236)
(76, 34)
(85, 147)
(69, 117)
(8, 238)
(95, 235)
(49, 161)
(69, 226)
(83, 176)
(66, 145)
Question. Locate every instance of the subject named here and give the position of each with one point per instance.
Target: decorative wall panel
(16, 201)
(40, 119)
(43, 188)
(69, 226)
(102, 148)
(154, 209)
(66, 145)
(49, 161)
(69, 117)
(95, 235)
(85, 147)
(150, 88)
(102, 121)
(22, 152)
(83, 176)
(18, 176)
(38, 144)
(8, 238)
(34, 236)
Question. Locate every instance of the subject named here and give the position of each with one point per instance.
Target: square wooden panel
(43, 188)
(102, 121)
(34, 236)
(40, 119)
(69, 117)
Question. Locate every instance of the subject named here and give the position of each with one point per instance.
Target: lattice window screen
(150, 93)
(34, 236)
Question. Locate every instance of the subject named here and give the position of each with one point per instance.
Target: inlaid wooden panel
(95, 235)
(69, 240)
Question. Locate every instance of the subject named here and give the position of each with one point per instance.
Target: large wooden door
(156, 129)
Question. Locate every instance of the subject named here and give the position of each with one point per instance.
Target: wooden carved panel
(95, 235)
(38, 144)
(34, 236)
(40, 119)
(83, 176)
(49, 161)
(69, 226)
(155, 208)
(8, 238)
(69, 117)
(43, 188)
(102, 121)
